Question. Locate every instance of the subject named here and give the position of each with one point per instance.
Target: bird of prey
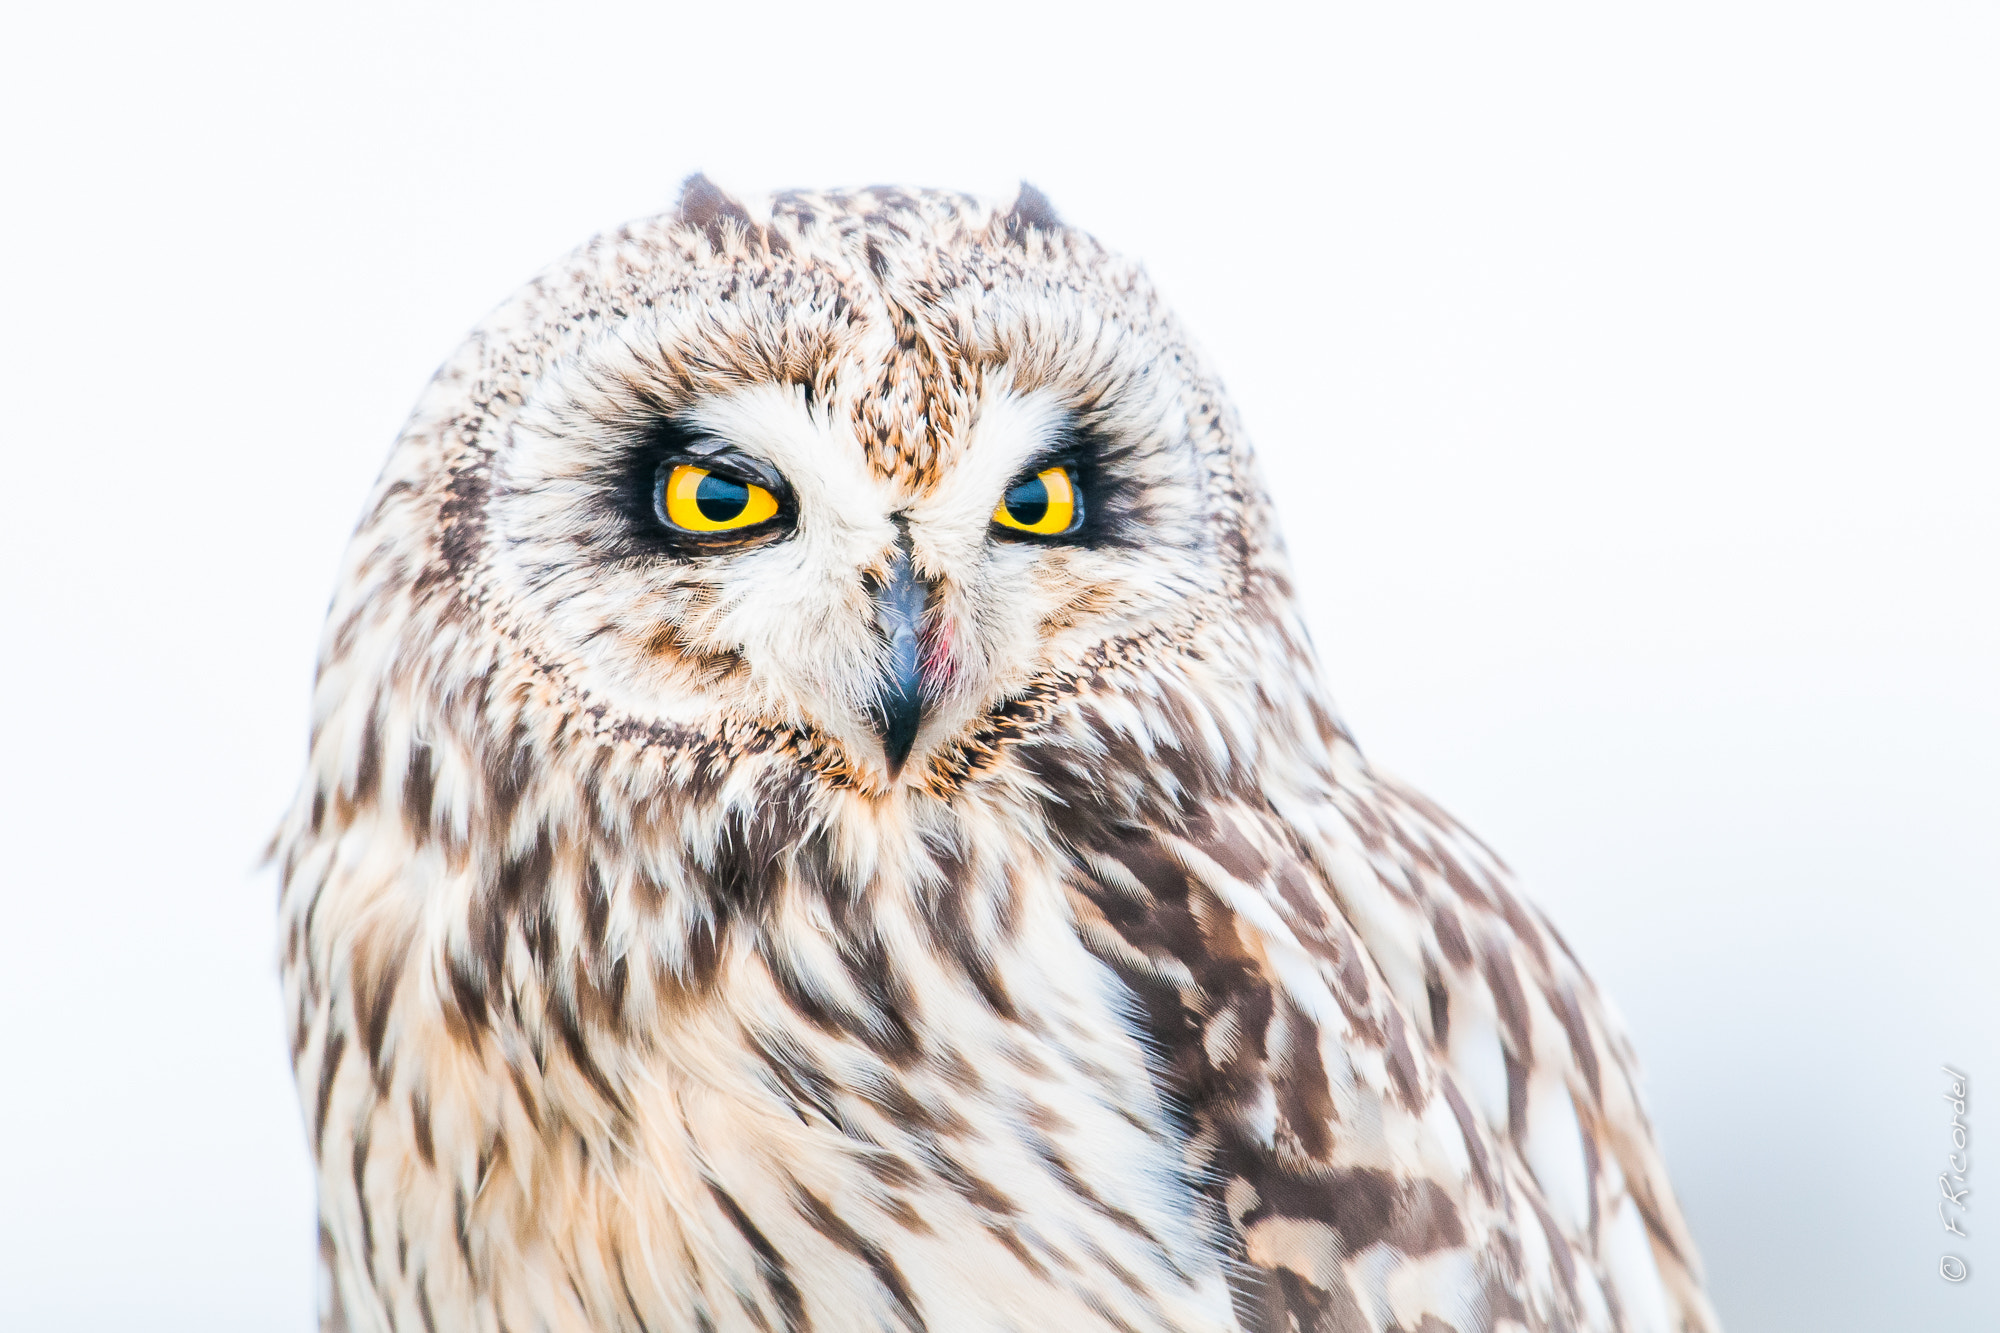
(822, 815)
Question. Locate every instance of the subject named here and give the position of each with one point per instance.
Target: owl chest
(994, 1172)
(850, 1132)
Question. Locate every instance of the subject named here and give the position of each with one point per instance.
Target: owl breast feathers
(822, 815)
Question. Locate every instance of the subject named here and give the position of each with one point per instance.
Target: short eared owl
(822, 815)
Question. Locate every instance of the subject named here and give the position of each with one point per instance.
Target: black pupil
(720, 499)
(1028, 503)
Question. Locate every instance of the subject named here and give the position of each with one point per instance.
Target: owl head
(850, 491)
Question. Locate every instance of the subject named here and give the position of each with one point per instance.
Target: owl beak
(898, 710)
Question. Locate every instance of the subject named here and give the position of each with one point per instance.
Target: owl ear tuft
(1031, 209)
(705, 207)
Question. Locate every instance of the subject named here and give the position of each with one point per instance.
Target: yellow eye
(697, 500)
(1047, 503)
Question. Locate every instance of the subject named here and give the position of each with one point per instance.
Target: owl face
(836, 477)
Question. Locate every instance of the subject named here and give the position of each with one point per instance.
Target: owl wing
(1412, 1106)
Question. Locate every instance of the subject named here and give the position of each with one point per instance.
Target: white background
(1629, 382)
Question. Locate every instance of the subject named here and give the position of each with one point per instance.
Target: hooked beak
(899, 701)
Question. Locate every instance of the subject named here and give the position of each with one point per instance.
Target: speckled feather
(631, 988)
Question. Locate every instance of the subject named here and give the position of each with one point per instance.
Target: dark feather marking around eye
(1114, 510)
(628, 526)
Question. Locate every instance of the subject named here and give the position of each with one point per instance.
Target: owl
(822, 815)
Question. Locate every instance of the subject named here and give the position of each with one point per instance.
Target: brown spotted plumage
(880, 919)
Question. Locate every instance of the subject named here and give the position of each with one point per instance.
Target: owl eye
(694, 499)
(1046, 504)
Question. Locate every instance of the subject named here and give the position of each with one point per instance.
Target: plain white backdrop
(1630, 382)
